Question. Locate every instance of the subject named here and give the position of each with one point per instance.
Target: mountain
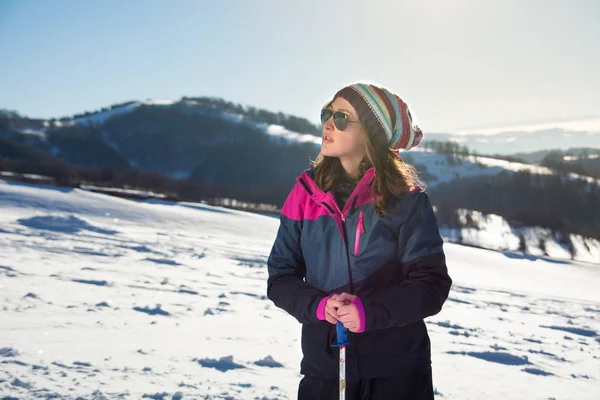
(512, 142)
(582, 159)
(208, 140)
(201, 149)
(525, 195)
(568, 155)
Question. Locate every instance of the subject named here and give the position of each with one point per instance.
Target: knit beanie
(384, 115)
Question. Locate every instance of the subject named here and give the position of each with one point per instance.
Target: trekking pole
(342, 341)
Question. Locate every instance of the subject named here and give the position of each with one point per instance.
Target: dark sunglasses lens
(325, 115)
(340, 120)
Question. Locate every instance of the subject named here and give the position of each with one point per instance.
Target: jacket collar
(361, 194)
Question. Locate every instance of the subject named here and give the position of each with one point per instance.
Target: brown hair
(393, 177)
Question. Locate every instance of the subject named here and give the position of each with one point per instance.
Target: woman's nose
(328, 125)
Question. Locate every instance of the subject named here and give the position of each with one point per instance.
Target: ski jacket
(395, 264)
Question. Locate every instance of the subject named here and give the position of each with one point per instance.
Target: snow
(275, 132)
(470, 166)
(160, 102)
(278, 132)
(123, 192)
(102, 116)
(104, 297)
(583, 245)
(574, 158)
(12, 175)
(491, 231)
(233, 117)
(34, 132)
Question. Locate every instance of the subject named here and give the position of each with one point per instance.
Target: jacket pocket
(360, 229)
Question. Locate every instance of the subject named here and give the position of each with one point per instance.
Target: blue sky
(460, 65)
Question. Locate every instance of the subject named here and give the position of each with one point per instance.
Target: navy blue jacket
(395, 264)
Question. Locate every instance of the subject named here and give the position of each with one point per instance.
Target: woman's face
(347, 144)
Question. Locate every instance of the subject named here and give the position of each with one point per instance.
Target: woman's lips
(327, 139)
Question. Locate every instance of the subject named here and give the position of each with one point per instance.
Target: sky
(462, 66)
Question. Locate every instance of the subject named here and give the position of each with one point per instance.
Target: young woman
(359, 243)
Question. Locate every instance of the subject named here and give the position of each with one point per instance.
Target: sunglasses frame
(336, 121)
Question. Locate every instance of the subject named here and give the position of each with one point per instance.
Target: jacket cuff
(321, 308)
(361, 314)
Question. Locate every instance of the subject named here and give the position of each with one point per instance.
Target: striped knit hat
(384, 115)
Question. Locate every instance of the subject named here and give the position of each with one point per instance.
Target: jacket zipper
(345, 236)
(360, 229)
(347, 254)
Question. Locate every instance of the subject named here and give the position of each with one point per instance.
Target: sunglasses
(340, 120)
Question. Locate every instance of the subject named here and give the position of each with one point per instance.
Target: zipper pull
(361, 224)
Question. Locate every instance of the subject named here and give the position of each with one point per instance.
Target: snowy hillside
(198, 153)
(493, 231)
(107, 298)
(285, 135)
(103, 116)
(277, 132)
(490, 231)
(469, 166)
(128, 140)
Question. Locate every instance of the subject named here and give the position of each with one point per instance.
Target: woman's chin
(328, 152)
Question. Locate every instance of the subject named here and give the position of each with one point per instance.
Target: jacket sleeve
(426, 282)
(286, 286)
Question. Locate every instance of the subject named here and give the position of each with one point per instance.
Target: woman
(359, 243)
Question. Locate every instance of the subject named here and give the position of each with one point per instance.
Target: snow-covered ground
(103, 297)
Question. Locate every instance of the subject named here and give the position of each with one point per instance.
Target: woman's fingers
(332, 312)
(334, 303)
(344, 297)
(340, 309)
(351, 327)
(347, 309)
(332, 309)
(331, 319)
(348, 318)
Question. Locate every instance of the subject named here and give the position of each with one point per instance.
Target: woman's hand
(348, 313)
(331, 310)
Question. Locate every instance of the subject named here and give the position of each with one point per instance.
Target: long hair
(393, 177)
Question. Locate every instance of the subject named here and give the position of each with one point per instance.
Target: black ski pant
(417, 385)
